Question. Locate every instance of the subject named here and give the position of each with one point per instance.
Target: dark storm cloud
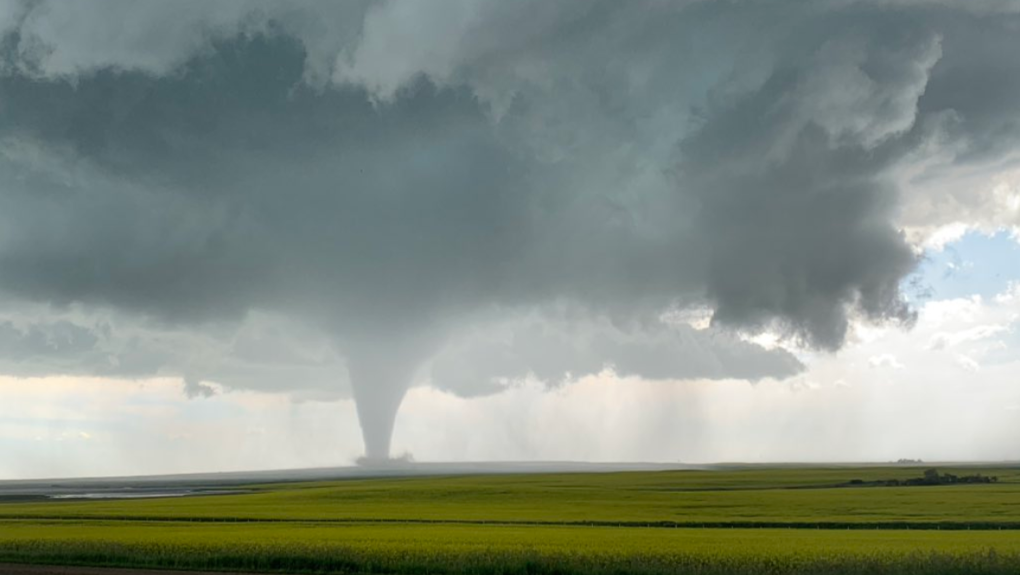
(234, 185)
(396, 175)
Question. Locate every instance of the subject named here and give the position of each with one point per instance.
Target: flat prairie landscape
(740, 520)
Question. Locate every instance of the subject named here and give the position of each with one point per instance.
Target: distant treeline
(931, 477)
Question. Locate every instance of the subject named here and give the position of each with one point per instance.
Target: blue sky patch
(976, 264)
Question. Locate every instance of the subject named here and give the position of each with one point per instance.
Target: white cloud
(943, 340)
(942, 236)
(67, 426)
(943, 201)
(885, 360)
(968, 363)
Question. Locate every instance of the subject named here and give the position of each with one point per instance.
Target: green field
(785, 520)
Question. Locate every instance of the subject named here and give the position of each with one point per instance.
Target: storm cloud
(466, 193)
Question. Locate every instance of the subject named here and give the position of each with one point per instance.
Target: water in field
(121, 495)
(140, 494)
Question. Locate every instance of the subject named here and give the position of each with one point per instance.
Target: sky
(244, 235)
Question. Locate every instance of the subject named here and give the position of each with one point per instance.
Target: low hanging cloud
(263, 352)
(393, 177)
(557, 350)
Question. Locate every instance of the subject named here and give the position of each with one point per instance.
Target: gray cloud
(197, 389)
(392, 176)
(61, 340)
(262, 352)
(489, 359)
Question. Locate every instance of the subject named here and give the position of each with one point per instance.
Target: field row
(481, 550)
(816, 525)
(805, 498)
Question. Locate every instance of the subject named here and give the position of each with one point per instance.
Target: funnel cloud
(359, 197)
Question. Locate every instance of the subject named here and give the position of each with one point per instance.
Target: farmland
(748, 520)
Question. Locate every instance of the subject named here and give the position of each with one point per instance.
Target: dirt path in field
(13, 569)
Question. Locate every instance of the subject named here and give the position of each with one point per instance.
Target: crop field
(783, 520)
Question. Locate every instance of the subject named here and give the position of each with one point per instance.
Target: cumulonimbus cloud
(396, 174)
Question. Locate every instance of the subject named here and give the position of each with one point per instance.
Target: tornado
(381, 370)
(379, 389)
